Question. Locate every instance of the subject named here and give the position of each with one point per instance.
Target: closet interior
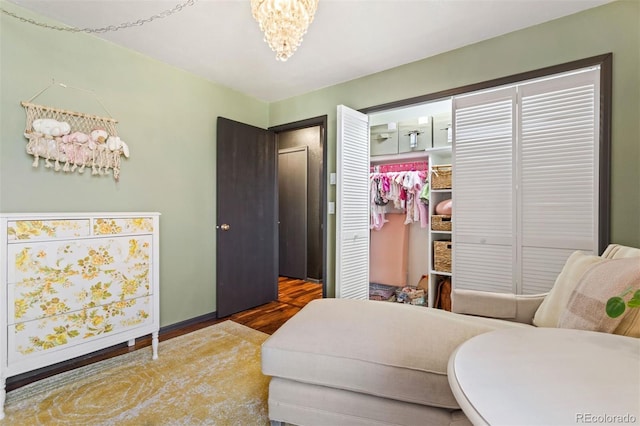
(407, 145)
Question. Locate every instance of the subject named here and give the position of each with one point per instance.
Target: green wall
(168, 118)
(614, 27)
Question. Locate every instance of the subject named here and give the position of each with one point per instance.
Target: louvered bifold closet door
(352, 213)
(483, 217)
(559, 175)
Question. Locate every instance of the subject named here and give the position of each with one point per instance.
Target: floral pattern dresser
(74, 283)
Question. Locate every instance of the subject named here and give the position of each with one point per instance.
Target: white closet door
(352, 210)
(483, 217)
(558, 173)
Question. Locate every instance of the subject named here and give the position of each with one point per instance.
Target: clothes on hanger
(398, 190)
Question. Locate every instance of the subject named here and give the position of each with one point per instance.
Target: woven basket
(441, 177)
(441, 222)
(442, 256)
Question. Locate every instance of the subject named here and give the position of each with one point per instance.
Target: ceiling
(220, 41)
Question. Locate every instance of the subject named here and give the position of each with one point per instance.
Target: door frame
(320, 121)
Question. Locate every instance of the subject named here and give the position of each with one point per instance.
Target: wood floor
(293, 295)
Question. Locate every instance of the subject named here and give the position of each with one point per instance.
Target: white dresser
(74, 283)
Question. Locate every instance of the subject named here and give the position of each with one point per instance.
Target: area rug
(208, 377)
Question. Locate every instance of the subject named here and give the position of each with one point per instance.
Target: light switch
(332, 179)
(332, 207)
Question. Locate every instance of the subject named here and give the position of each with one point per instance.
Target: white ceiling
(220, 40)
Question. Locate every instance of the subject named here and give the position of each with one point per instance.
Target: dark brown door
(292, 196)
(247, 212)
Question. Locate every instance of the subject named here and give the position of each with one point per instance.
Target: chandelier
(283, 23)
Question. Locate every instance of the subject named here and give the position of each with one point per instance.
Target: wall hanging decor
(71, 141)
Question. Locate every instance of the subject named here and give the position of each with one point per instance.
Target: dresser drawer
(56, 277)
(30, 230)
(115, 226)
(59, 332)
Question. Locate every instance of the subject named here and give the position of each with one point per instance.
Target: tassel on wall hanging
(71, 141)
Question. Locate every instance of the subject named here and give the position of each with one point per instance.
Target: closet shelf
(448, 274)
(433, 231)
(439, 149)
(441, 190)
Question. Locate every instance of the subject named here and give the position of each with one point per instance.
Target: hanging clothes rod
(399, 158)
(400, 167)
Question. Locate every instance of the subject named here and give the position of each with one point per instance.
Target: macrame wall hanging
(71, 141)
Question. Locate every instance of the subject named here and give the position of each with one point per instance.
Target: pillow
(617, 251)
(586, 307)
(555, 303)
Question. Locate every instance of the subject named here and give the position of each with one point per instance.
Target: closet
(405, 143)
(527, 164)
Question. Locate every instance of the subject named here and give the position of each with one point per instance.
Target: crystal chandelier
(283, 23)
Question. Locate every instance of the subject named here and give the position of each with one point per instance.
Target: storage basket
(441, 177)
(442, 256)
(441, 222)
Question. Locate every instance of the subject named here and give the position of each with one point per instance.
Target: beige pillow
(556, 301)
(617, 251)
(586, 307)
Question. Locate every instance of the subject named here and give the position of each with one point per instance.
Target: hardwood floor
(293, 295)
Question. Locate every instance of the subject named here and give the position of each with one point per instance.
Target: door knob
(225, 227)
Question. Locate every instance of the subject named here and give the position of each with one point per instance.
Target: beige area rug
(209, 377)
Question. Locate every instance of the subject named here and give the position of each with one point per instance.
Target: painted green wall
(168, 118)
(614, 27)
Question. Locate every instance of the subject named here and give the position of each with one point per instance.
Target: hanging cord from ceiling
(177, 8)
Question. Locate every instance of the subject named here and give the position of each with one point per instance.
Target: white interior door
(558, 159)
(352, 209)
(483, 185)
(525, 179)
